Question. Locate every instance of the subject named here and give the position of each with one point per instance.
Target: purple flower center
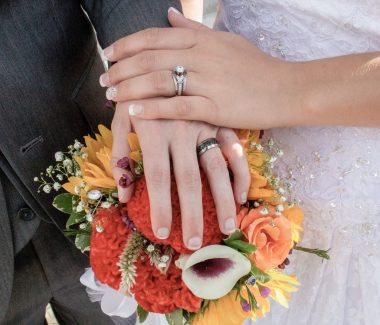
(245, 306)
(212, 267)
(125, 181)
(264, 292)
(123, 163)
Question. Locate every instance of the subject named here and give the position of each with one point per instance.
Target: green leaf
(175, 318)
(64, 203)
(234, 236)
(82, 242)
(242, 246)
(260, 275)
(142, 314)
(75, 218)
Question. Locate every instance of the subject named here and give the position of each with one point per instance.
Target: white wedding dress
(335, 171)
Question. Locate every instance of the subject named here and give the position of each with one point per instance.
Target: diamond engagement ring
(179, 75)
(206, 145)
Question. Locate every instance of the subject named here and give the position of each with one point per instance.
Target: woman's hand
(230, 82)
(162, 141)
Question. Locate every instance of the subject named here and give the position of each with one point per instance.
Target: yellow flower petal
(107, 135)
(133, 142)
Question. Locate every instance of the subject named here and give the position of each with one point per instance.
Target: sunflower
(94, 164)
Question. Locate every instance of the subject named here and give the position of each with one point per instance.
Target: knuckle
(160, 80)
(182, 107)
(151, 36)
(113, 74)
(216, 164)
(190, 180)
(159, 176)
(146, 61)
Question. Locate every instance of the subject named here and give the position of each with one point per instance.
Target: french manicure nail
(135, 109)
(104, 80)
(174, 10)
(111, 93)
(194, 243)
(230, 225)
(107, 53)
(162, 233)
(243, 197)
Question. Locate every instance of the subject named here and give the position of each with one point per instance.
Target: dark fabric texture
(49, 96)
(48, 270)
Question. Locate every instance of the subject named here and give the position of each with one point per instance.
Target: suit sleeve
(113, 19)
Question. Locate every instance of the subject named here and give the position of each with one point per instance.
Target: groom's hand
(162, 141)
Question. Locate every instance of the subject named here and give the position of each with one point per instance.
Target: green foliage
(142, 314)
(260, 275)
(75, 218)
(234, 241)
(175, 318)
(82, 242)
(64, 203)
(316, 251)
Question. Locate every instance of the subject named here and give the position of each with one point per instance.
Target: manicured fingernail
(162, 233)
(230, 225)
(111, 93)
(172, 9)
(243, 197)
(194, 243)
(107, 52)
(135, 109)
(104, 80)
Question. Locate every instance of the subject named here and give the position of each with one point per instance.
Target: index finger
(151, 39)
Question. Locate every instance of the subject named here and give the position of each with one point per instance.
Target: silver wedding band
(179, 75)
(206, 145)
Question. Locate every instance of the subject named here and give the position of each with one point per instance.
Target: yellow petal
(133, 142)
(136, 156)
(102, 182)
(106, 134)
(92, 146)
(104, 156)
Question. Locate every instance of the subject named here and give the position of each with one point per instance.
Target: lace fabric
(335, 171)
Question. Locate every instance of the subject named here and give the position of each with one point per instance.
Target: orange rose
(270, 233)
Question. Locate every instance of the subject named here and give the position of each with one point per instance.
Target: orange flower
(270, 233)
(295, 216)
(259, 189)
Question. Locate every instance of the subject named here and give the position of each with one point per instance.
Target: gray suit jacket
(49, 92)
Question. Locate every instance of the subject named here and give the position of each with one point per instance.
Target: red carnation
(161, 293)
(107, 245)
(139, 213)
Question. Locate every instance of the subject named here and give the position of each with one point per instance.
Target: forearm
(340, 91)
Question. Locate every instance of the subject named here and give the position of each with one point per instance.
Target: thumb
(177, 19)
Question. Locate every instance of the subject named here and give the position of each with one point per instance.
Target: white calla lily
(212, 271)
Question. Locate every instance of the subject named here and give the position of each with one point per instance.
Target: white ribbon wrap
(114, 303)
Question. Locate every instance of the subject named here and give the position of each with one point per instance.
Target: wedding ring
(179, 75)
(206, 145)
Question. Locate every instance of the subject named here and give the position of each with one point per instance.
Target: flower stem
(316, 251)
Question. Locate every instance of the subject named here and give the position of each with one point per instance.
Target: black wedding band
(206, 145)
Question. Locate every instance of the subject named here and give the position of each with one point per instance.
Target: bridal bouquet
(239, 274)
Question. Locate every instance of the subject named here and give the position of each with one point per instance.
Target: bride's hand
(162, 141)
(230, 82)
